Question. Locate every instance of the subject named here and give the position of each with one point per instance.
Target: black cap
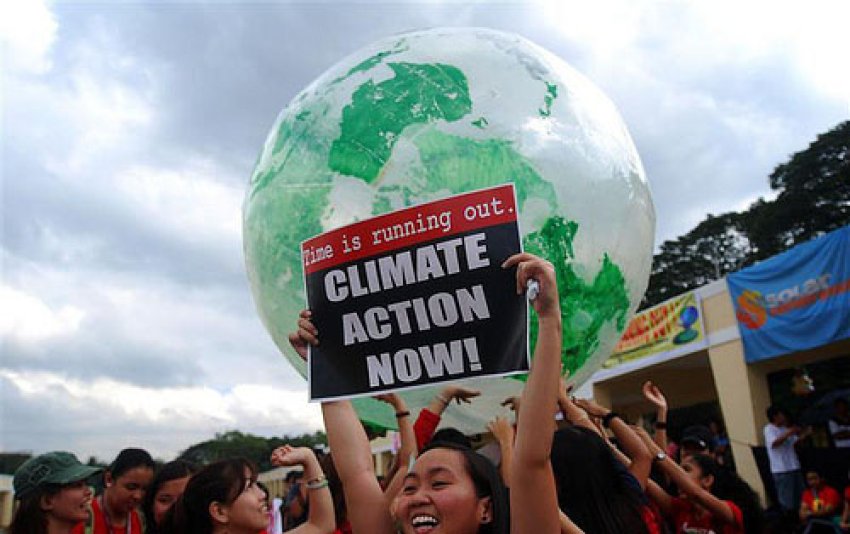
(698, 435)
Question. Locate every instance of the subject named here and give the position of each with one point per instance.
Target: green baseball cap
(57, 467)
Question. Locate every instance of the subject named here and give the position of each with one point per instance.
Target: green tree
(717, 246)
(11, 461)
(255, 448)
(813, 196)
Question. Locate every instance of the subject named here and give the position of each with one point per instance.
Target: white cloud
(26, 319)
(189, 201)
(192, 413)
(28, 31)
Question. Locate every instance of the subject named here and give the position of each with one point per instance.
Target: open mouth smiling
(423, 523)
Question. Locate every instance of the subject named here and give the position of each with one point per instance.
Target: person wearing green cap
(53, 494)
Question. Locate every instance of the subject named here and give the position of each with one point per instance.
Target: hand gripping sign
(416, 297)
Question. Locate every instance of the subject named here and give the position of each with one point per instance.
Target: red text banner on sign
(434, 220)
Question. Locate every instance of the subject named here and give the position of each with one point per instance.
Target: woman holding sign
(451, 488)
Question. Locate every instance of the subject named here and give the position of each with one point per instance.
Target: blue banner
(796, 300)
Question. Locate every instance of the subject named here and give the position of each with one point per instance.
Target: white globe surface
(428, 114)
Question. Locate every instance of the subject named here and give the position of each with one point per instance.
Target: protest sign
(416, 297)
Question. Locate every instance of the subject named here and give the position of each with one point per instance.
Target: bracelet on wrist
(606, 420)
(399, 415)
(317, 483)
(661, 425)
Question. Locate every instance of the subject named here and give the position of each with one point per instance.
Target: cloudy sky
(129, 132)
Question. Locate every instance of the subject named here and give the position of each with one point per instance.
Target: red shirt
(820, 499)
(685, 519)
(98, 524)
(424, 427)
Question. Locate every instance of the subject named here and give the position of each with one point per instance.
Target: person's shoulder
(832, 492)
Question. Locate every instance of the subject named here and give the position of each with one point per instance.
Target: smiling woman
(53, 494)
(453, 488)
(224, 497)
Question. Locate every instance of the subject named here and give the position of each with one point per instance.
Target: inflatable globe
(429, 114)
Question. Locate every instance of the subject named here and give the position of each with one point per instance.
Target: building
(797, 307)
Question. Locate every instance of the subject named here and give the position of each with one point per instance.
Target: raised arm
(429, 417)
(784, 436)
(629, 442)
(320, 518)
(534, 503)
(572, 413)
(450, 393)
(656, 397)
(368, 511)
(504, 434)
(686, 485)
(408, 449)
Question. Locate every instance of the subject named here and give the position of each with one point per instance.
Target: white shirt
(782, 458)
(276, 523)
(834, 428)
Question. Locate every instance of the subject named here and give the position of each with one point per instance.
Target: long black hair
(30, 517)
(593, 489)
(168, 472)
(222, 481)
(728, 486)
(488, 483)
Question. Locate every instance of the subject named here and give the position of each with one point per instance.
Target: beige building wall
(736, 394)
(7, 501)
(742, 391)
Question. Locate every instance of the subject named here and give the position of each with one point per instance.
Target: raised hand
(653, 394)
(530, 267)
(393, 400)
(306, 334)
(592, 409)
(459, 393)
(501, 429)
(512, 403)
(287, 455)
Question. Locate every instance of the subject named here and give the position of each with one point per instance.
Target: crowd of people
(591, 472)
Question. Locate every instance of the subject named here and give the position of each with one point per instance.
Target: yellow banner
(667, 326)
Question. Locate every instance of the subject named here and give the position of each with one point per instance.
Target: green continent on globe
(377, 114)
(455, 164)
(585, 308)
(549, 99)
(459, 164)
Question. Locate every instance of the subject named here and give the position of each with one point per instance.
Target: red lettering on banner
(808, 300)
